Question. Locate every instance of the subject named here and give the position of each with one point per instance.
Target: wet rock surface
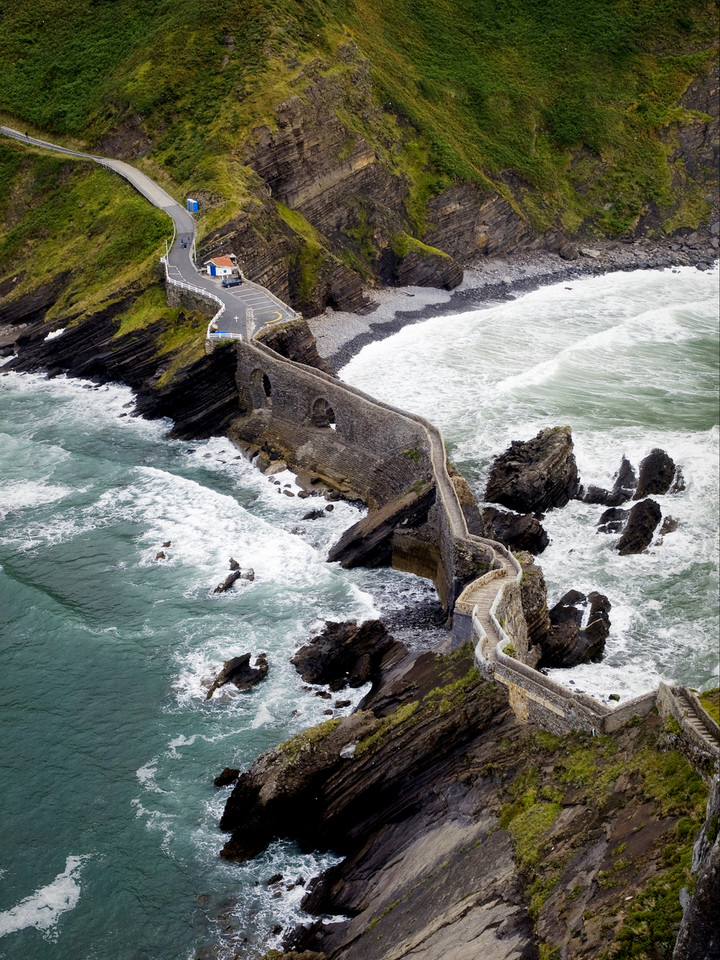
(612, 520)
(656, 474)
(640, 527)
(228, 581)
(347, 654)
(622, 490)
(516, 531)
(425, 792)
(238, 671)
(229, 775)
(579, 626)
(533, 476)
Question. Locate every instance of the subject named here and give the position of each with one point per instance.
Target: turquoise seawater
(108, 749)
(109, 832)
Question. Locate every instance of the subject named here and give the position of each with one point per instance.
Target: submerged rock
(640, 528)
(622, 490)
(669, 525)
(346, 654)
(533, 476)
(238, 671)
(228, 582)
(568, 642)
(657, 472)
(612, 520)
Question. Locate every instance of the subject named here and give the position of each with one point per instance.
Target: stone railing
(535, 696)
(452, 526)
(696, 725)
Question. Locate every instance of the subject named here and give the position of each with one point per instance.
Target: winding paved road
(266, 309)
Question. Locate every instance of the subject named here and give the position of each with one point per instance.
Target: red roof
(222, 262)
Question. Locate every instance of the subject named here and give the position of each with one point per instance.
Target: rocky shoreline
(489, 281)
(468, 834)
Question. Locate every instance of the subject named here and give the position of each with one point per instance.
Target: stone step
(696, 721)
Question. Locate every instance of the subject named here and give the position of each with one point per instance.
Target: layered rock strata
(536, 475)
(466, 833)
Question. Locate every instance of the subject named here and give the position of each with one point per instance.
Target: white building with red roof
(221, 267)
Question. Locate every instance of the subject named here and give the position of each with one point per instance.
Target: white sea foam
(21, 495)
(54, 334)
(44, 908)
(260, 908)
(627, 360)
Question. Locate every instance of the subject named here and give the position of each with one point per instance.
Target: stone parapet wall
(371, 450)
(534, 696)
(696, 744)
(378, 452)
(637, 707)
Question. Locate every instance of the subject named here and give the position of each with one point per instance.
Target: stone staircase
(697, 718)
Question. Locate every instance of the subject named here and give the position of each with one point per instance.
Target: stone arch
(261, 388)
(322, 414)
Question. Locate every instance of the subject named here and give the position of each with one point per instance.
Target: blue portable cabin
(192, 205)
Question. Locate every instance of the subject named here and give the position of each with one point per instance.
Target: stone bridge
(396, 463)
(392, 460)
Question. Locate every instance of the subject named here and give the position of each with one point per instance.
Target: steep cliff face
(468, 834)
(337, 206)
(201, 397)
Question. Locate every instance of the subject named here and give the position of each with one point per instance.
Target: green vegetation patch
(564, 792)
(66, 216)
(710, 701)
(401, 715)
(292, 748)
(570, 95)
(652, 918)
(402, 244)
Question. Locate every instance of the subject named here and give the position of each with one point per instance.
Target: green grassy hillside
(568, 95)
(59, 216)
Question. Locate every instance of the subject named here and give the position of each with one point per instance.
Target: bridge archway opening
(322, 414)
(261, 388)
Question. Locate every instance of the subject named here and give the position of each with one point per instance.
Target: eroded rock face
(368, 542)
(533, 476)
(657, 472)
(346, 654)
(238, 671)
(202, 400)
(295, 341)
(533, 596)
(410, 798)
(640, 528)
(568, 641)
(516, 531)
(622, 490)
(699, 937)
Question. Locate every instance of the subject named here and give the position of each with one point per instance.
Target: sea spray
(630, 361)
